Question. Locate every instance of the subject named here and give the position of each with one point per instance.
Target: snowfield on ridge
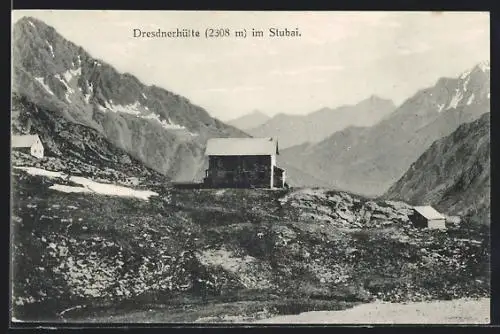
(88, 185)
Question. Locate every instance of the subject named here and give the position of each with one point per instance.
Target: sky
(340, 57)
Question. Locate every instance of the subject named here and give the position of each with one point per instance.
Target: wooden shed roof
(429, 212)
(24, 140)
(242, 146)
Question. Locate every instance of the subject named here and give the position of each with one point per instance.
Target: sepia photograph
(258, 167)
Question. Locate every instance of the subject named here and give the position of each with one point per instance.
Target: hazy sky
(341, 57)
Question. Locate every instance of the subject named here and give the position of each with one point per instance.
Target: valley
(101, 234)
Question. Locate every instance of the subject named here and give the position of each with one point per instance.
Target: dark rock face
(163, 130)
(453, 174)
(74, 148)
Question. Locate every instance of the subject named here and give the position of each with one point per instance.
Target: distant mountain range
(453, 174)
(163, 130)
(249, 121)
(84, 108)
(368, 160)
(298, 129)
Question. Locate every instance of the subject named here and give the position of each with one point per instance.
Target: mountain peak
(250, 120)
(257, 112)
(484, 66)
(59, 75)
(375, 99)
(29, 20)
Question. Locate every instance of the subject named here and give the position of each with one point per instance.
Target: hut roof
(429, 212)
(242, 146)
(24, 140)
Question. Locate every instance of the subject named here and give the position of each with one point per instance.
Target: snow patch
(484, 66)
(440, 107)
(132, 108)
(69, 189)
(69, 90)
(111, 189)
(471, 99)
(465, 74)
(456, 99)
(51, 48)
(466, 82)
(79, 60)
(40, 172)
(135, 109)
(90, 89)
(169, 125)
(31, 24)
(89, 185)
(46, 87)
(67, 97)
(108, 105)
(69, 74)
(144, 96)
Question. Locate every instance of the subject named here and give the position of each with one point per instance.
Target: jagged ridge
(161, 129)
(298, 129)
(368, 160)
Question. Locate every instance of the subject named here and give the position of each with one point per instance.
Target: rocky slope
(249, 121)
(193, 253)
(453, 174)
(294, 129)
(76, 149)
(163, 130)
(368, 160)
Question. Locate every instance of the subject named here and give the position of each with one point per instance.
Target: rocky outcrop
(76, 149)
(88, 250)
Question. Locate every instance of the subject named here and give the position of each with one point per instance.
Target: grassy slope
(260, 251)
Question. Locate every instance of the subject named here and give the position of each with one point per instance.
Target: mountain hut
(243, 163)
(427, 217)
(28, 143)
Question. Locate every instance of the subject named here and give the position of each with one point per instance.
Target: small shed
(243, 163)
(28, 143)
(428, 217)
